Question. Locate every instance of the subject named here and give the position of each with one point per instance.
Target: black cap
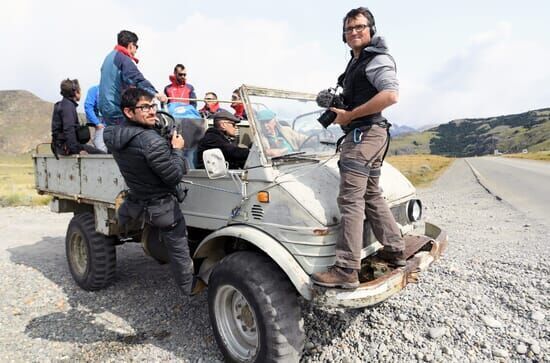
(225, 115)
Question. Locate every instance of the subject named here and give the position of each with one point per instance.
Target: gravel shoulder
(486, 300)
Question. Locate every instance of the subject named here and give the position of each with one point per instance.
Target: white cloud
(496, 74)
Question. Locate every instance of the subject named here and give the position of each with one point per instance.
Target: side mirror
(214, 163)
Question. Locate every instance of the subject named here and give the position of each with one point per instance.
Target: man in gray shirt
(369, 86)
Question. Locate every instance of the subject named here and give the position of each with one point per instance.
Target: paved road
(523, 183)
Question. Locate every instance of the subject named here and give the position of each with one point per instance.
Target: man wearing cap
(278, 139)
(220, 136)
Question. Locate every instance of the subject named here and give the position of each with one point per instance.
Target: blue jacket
(118, 73)
(91, 107)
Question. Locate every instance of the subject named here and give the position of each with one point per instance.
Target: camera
(166, 125)
(329, 98)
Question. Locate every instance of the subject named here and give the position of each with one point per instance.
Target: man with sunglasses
(179, 88)
(118, 73)
(152, 168)
(369, 86)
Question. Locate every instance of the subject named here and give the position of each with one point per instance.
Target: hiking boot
(393, 258)
(337, 276)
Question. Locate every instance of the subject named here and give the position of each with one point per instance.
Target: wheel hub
(78, 254)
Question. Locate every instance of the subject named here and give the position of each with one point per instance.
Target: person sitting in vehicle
(238, 105)
(221, 136)
(279, 139)
(211, 105)
(65, 123)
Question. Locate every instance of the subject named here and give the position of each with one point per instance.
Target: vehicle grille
(257, 212)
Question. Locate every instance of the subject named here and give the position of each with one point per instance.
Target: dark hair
(131, 97)
(126, 37)
(353, 13)
(211, 93)
(180, 66)
(69, 87)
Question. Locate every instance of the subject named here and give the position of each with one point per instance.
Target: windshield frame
(248, 91)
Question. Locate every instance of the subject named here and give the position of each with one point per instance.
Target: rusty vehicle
(256, 234)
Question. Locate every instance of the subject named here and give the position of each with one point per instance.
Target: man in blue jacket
(91, 108)
(118, 73)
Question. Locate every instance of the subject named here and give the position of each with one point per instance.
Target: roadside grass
(537, 155)
(421, 169)
(17, 182)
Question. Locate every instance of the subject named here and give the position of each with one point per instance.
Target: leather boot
(393, 258)
(337, 276)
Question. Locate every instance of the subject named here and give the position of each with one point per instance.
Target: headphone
(370, 19)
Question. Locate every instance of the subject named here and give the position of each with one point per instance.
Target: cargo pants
(360, 195)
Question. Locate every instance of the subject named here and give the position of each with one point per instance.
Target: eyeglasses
(209, 99)
(147, 107)
(358, 28)
(182, 74)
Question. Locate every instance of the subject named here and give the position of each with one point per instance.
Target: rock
(446, 350)
(402, 317)
(491, 322)
(501, 353)
(419, 356)
(521, 348)
(309, 346)
(437, 332)
(537, 316)
(535, 348)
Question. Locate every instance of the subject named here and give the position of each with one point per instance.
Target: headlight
(414, 210)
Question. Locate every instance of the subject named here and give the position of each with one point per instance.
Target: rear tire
(254, 310)
(91, 255)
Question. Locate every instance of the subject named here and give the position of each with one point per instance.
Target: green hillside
(470, 137)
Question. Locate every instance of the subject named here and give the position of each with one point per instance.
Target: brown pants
(360, 195)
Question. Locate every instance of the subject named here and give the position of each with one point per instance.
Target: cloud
(496, 74)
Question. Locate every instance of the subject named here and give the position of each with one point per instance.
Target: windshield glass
(289, 127)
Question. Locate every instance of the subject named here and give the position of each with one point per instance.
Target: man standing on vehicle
(119, 72)
(369, 86)
(179, 90)
(152, 168)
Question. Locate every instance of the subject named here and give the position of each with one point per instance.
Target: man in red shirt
(179, 88)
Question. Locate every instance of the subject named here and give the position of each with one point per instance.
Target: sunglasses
(182, 74)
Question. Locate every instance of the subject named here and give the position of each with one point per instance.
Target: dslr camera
(166, 125)
(329, 98)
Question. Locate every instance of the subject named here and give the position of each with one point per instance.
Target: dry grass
(422, 169)
(538, 155)
(17, 182)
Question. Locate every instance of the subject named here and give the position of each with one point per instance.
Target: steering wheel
(324, 132)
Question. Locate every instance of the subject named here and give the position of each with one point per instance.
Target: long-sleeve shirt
(91, 106)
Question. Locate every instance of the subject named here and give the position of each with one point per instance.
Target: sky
(458, 59)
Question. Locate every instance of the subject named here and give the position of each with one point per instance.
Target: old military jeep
(256, 234)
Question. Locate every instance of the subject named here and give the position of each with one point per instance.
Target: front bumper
(378, 290)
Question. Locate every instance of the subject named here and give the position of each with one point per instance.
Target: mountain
(480, 136)
(400, 130)
(24, 120)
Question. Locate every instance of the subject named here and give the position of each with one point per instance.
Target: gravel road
(486, 300)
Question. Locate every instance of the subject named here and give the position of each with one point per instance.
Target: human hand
(343, 117)
(177, 141)
(162, 98)
(83, 152)
(99, 126)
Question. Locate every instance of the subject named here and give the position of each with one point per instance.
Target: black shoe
(393, 258)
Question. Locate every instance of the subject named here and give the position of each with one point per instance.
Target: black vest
(357, 90)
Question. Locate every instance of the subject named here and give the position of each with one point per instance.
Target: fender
(211, 248)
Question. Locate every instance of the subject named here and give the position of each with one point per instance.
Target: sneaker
(393, 258)
(337, 276)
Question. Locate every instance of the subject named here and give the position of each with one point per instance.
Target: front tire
(91, 255)
(254, 310)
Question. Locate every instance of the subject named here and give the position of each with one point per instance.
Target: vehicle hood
(316, 188)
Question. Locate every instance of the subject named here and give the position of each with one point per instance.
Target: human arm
(166, 162)
(132, 76)
(69, 120)
(381, 73)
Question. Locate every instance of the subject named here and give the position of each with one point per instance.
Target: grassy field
(538, 155)
(421, 170)
(17, 177)
(17, 182)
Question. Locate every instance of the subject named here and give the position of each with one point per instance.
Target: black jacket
(150, 167)
(214, 138)
(64, 126)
